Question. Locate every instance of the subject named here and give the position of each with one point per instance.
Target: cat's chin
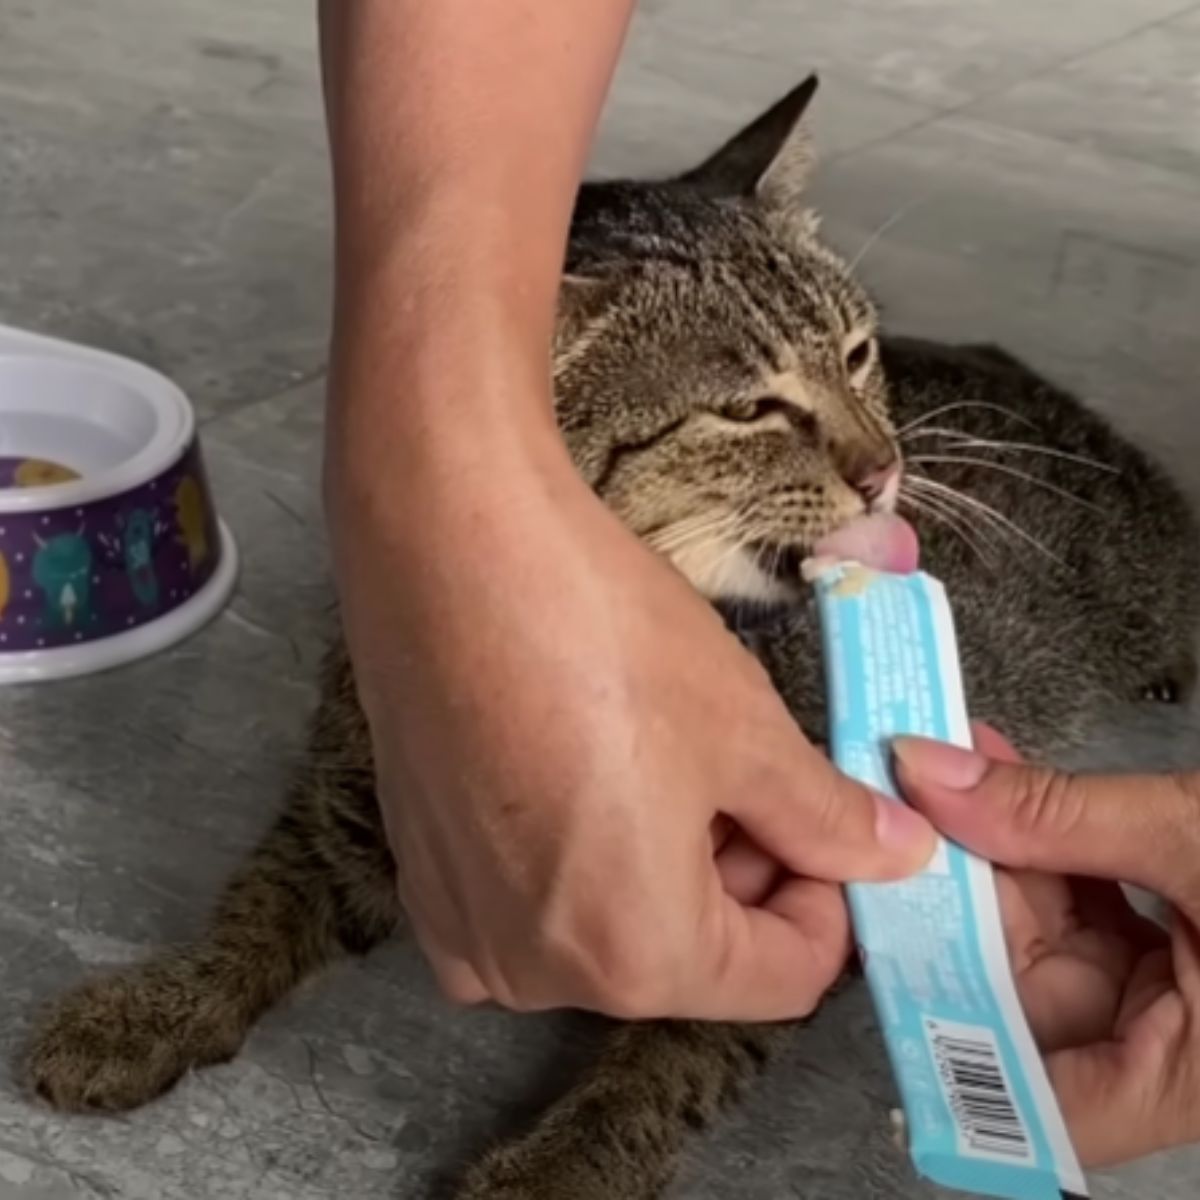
(750, 616)
(779, 565)
(747, 575)
(761, 595)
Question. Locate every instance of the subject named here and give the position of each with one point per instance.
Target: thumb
(821, 824)
(1142, 829)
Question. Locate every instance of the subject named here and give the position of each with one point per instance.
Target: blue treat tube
(979, 1111)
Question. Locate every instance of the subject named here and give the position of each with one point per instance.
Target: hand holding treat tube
(1113, 1000)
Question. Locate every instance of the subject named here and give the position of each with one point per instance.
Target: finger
(778, 960)
(824, 825)
(722, 830)
(747, 872)
(1037, 904)
(1122, 1098)
(1071, 1001)
(1185, 952)
(1151, 982)
(458, 981)
(1142, 829)
(1103, 1105)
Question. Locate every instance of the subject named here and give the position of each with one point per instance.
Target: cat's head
(717, 377)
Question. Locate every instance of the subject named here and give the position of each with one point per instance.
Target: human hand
(566, 736)
(1112, 1000)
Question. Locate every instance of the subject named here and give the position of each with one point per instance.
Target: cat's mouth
(880, 539)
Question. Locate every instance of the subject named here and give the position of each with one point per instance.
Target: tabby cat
(720, 383)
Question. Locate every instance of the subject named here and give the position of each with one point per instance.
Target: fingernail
(898, 826)
(939, 763)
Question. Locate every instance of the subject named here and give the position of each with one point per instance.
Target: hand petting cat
(1113, 1000)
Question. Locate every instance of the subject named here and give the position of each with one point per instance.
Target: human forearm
(458, 131)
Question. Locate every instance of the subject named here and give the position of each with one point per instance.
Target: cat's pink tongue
(881, 540)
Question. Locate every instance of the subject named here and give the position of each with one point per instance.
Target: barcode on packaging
(977, 1091)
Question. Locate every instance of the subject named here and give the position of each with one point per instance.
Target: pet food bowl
(110, 548)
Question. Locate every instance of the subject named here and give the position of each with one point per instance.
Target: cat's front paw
(117, 1042)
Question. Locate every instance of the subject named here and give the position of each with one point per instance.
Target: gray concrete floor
(163, 193)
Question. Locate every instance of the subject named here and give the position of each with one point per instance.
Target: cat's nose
(876, 478)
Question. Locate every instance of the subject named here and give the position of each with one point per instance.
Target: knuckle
(807, 992)
(615, 969)
(825, 804)
(460, 987)
(1187, 785)
(634, 1000)
(511, 997)
(504, 985)
(629, 982)
(1045, 803)
(1184, 840)
(810, 1000)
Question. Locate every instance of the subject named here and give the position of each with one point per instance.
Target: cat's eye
(746, 412)
(858, 356)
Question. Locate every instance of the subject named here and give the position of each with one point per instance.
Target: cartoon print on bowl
(192, 520)
(62, 568)
(138, 541)
(78, 573)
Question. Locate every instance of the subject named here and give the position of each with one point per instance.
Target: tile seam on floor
(301, 381)
(837, 73)
(954, 110)
(1077, 146)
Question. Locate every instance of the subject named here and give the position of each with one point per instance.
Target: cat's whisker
(720, 568)
(682, 533)
(757, 551)
(971, 505)
(969, 441)
(776, 559)
(1005, 469)
(927, 506)
(943, 431)
(956, 406)
(981, 522)
(721, 535)
(684, 528)
(688, 541)
(985, 539)
(1049, 451)
(922, 487)
(773, 553)
(888, 225)
(962, 503)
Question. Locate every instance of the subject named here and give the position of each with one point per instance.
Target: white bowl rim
(175, 428)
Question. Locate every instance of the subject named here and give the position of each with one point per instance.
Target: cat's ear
(770, 160)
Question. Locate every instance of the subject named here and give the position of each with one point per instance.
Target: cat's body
(1082, 595)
